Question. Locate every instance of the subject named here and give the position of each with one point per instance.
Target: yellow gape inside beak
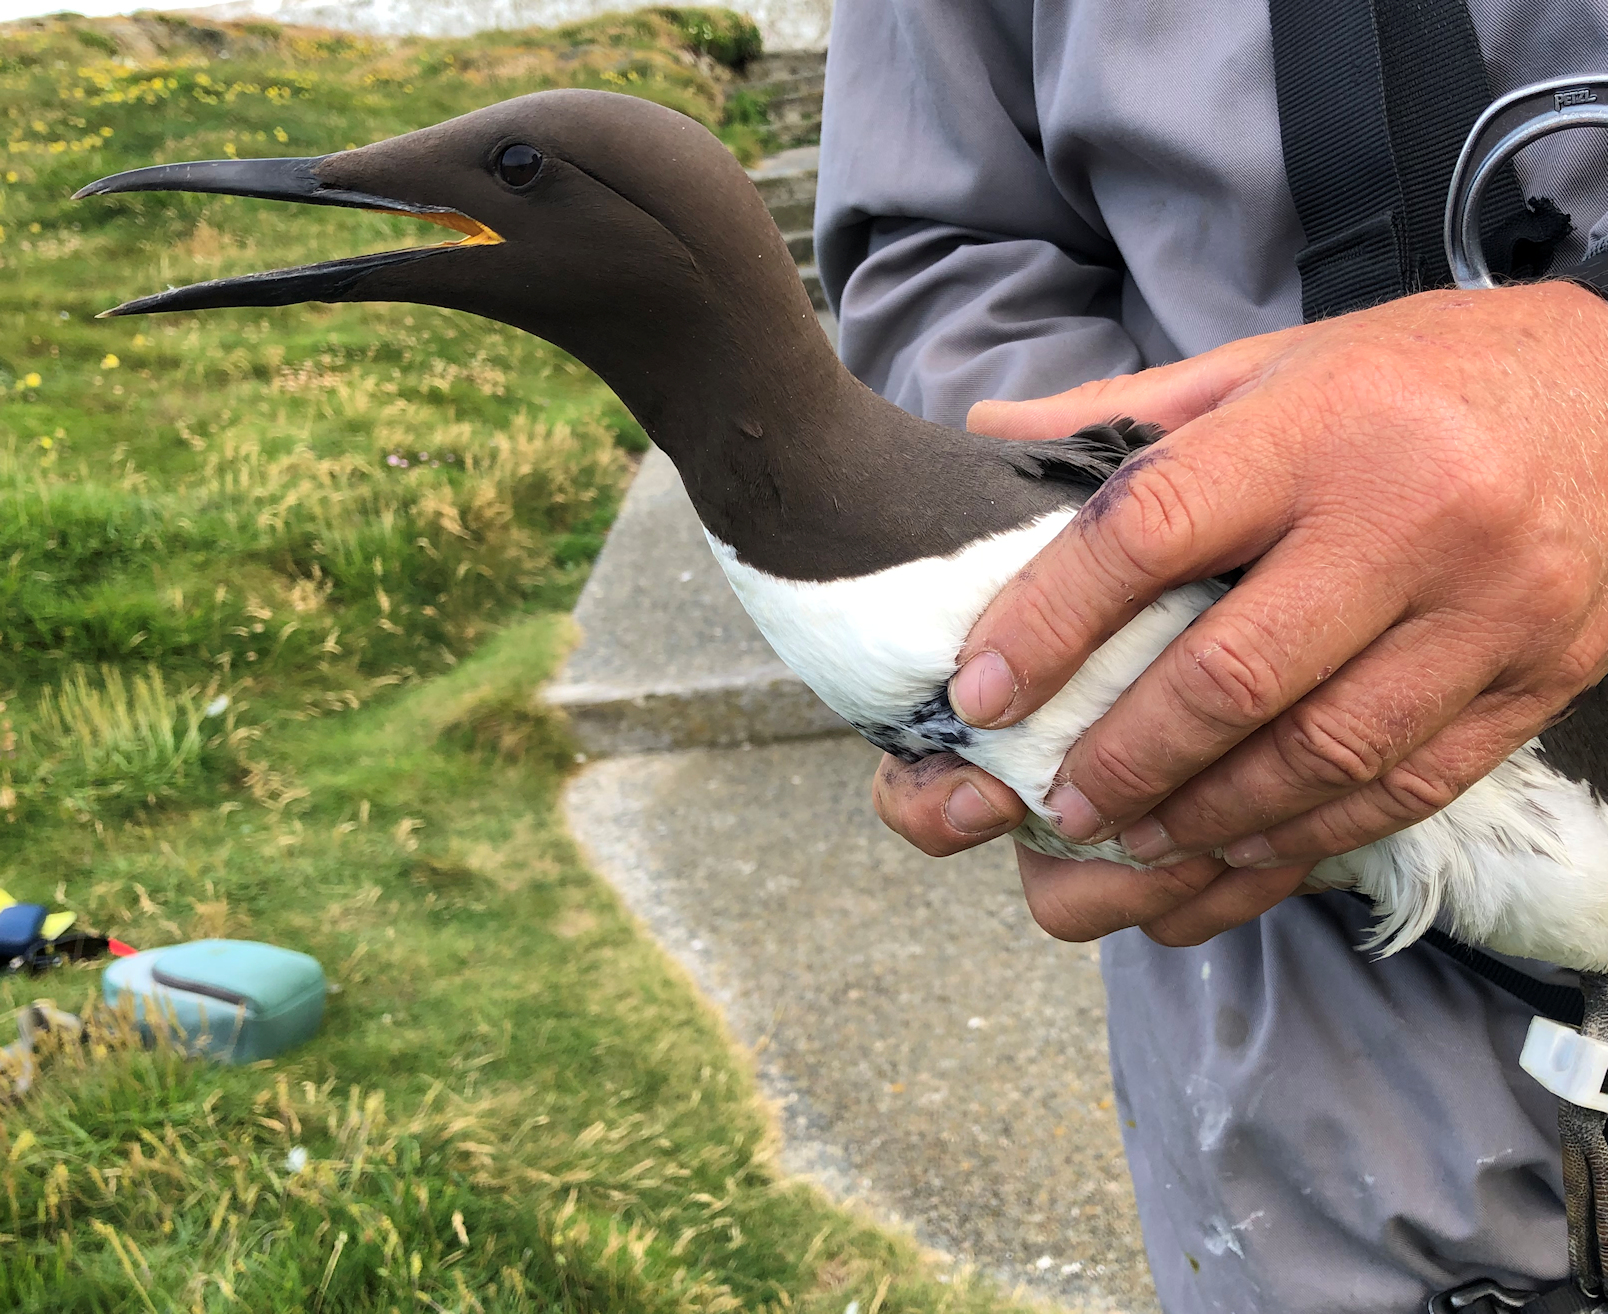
(475, 232)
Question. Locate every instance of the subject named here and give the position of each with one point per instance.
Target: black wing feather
(1085, 459)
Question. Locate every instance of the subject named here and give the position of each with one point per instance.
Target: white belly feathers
(1519, 863)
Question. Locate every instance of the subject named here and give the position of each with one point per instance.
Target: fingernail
(1147, 841)
(1251, 851)
(1075, 815)
(982, 689)
(969, 812)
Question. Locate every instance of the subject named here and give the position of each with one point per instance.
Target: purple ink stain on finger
(1111, 493)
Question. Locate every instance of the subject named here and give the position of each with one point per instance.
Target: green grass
(276, 590)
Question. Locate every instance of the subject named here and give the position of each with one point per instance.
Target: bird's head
(620, 230)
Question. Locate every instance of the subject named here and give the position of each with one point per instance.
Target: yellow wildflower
(140, 340)
(280, 135)
(47, 442)
(106, 132)
(110, 362)
(31, 380)
(11, 175)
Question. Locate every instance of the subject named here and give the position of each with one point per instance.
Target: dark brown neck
(806, 473)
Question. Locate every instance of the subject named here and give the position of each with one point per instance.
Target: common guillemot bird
(863, 541)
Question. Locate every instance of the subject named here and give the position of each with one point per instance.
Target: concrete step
(787, 182)
(812, 284)
(792, 84)
(794, 215)
(787, 177)
(668, 658)
(929, 1051)
(790, 88)
(795, 120)
(782, 65)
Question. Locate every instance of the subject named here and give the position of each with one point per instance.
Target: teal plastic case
(236, 1001)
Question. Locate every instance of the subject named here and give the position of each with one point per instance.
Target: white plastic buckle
(1573, 1067)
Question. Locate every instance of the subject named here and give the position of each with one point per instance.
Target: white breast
(1519, 863)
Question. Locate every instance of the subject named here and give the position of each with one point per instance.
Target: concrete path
(933, 1054)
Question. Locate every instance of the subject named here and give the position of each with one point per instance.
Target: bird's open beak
(280, 180)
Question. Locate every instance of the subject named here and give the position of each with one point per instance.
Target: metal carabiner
(1507, 127)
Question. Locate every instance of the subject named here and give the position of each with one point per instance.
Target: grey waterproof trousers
(1313, 1132)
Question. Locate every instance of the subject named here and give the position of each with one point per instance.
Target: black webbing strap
(1376, 98)
(1326, 70)
(1559, 1002)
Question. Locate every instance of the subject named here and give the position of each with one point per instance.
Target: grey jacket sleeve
(958, 267)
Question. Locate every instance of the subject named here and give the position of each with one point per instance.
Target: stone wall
(786, 24)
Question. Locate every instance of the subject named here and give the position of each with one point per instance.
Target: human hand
(1421, 487)
(944, 804)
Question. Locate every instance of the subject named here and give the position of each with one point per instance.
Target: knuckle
(909, 811)
(1553, 583)
(1331, 831)
(1578, 667)
(1171, 886)
(1226, 677)
(1176, 933)
(1402, 796)
(1095, 391)
(1202, 816)
(1110, 777)
(885, 793)
(1159, 516)
(1475, 487)
(1057, 916)
(1049, 614)
(1359, 368)
(1365, 379)
(1324, 746)
(1411, 794)
(1460, 475)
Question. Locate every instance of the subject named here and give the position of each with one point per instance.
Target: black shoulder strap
(1376, 98)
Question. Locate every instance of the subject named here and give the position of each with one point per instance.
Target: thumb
(1166, 395)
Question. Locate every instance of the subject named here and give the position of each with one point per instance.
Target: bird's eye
(518, 165)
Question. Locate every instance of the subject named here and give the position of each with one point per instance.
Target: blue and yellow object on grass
(235, 1001)
(33, 939)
